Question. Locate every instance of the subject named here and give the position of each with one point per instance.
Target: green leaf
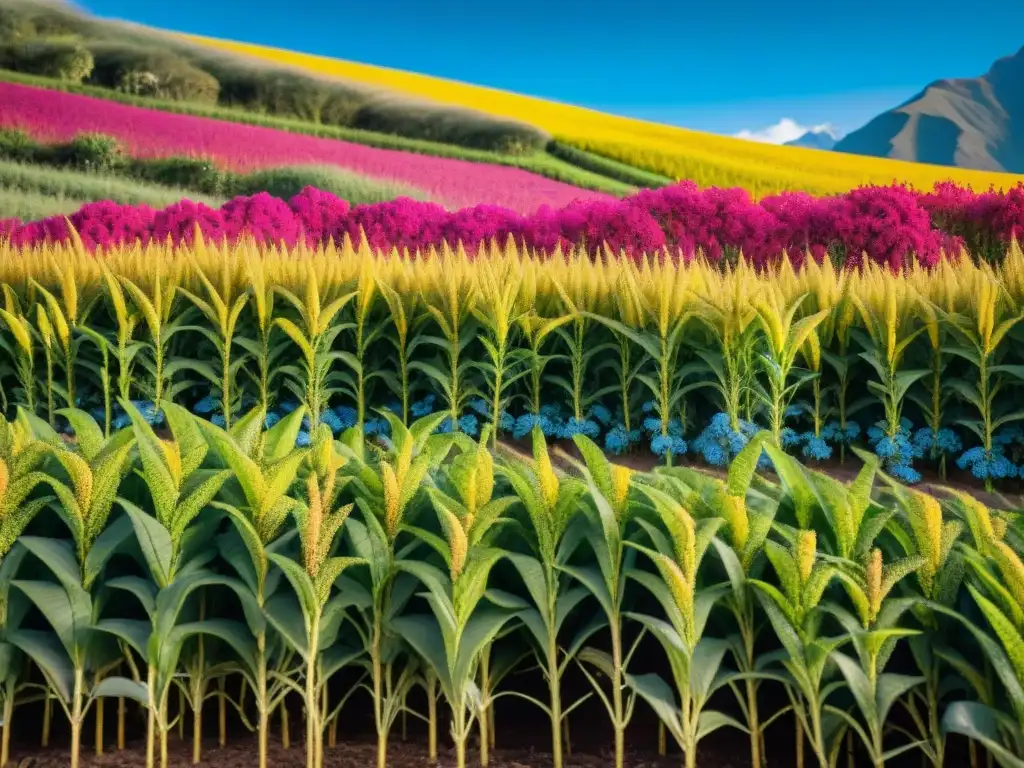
(154, 541)
(68, 617)
(284, 614)
(658, 695)
(105, 546)
(981, 723)
(424, 635)
(121, 688)
(710, 721)
(48, 654)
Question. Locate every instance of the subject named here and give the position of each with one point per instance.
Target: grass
(678, 153)
(356, 189)
(606, 166)
(541, 163)
(31, 192)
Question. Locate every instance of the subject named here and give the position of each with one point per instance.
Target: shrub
(151, 72)
(287, 94)
(342, 107)
(15, 25)
(71, 62)
(451, 126)
(91, 152)
(185, 172)
(17, 145)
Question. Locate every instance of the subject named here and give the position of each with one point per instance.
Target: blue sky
(713, 65)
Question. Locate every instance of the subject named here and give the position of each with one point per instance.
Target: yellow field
(707, 159)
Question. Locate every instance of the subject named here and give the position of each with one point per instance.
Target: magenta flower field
(892, 225)
(57, 116)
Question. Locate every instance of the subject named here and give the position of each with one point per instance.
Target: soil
(241, 753)
(1010, 496)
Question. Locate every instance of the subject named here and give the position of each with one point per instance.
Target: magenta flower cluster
(887, 225)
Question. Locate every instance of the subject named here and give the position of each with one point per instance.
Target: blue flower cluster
(896, 451)
(988, 465)
(836, 434)
(672, 438)
(556, 424)
(618, 439)
(927, 442)
(816, 447)
(719, 442)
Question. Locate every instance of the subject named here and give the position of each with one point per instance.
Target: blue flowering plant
(936, 445)
(897, 451)
(665, 435)
(981, 331)
(988, 465)
(719, 443)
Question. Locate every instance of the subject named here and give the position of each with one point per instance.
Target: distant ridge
(816, 138)
(969, 123)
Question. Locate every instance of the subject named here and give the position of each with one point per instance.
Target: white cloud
(787, 129)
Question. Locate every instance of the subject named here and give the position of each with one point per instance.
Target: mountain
(816, 138)
(970, 123)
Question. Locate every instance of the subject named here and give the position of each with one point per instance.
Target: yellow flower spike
(5, 478)
(681, 589)
(546, 474)
(734, 510)
(483, 478)
(314, 522)
(458, 542)
(1011, 569)
(806, 553)
(873, 576)
(173, 458)
(621, 478)
(999, 528)
(392, 500)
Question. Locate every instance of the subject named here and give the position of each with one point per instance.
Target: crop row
(924, 365)
(889, 225)
(150, 133)
(138, 565)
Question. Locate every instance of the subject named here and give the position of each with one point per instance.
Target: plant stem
(617, 705)
(485, 736)
(77, 716)
(286, 732)
(222, 713)
(5, 745)
(99, 727)
(799, 741)
(432, 718)
(120, 724)
(554, 683)
(312, 702)
(151, 719)
(47, 715)
(378, 693)
(263, 730)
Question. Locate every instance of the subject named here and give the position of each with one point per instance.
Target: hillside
(969, 123)
(668, 150)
